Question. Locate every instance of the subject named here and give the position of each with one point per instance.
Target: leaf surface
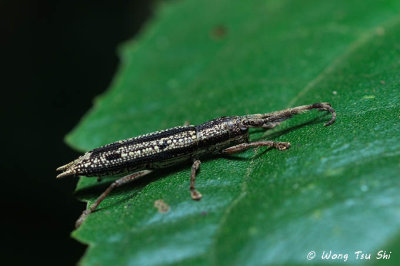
(335, 189)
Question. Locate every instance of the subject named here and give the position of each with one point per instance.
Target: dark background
(56, 56)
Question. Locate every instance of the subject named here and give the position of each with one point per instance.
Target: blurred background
(56, 57)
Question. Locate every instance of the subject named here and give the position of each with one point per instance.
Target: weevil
(144, 154)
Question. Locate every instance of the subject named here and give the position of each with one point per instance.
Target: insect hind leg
(119, 182)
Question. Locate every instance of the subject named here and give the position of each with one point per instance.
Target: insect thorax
(221, 133)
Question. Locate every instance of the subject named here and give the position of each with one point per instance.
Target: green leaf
(335, 189)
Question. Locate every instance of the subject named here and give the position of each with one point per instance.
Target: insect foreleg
(270, 120)
(116, 183)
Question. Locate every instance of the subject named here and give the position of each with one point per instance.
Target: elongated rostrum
(144, 154)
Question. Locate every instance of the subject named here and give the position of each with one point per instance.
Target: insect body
(144, 154)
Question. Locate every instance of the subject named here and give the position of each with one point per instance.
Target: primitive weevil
(144, 154)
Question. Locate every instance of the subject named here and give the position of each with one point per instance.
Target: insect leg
(270, 120)
(244, 146)
(193, 192)
(116, 183)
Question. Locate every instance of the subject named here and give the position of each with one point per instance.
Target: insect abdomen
(154, 150)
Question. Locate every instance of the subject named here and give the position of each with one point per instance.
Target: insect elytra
(144, 154)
